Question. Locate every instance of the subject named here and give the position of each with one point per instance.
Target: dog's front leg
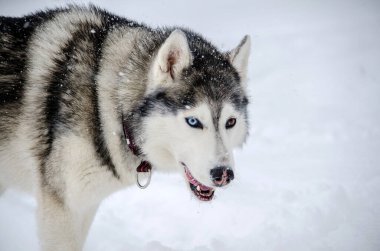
(61, 228)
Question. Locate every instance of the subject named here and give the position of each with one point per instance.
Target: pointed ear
(173, 56)
(238, 57)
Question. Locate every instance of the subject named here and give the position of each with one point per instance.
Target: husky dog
(89, 100)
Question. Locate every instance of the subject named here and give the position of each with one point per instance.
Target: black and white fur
(71, 78)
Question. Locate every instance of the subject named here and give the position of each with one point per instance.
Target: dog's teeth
(198, 188)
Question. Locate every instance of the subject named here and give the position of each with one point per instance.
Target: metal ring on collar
(147, 182)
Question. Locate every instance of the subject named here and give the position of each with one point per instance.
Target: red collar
(144, 166)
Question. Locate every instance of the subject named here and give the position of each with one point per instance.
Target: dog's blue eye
(193, 122)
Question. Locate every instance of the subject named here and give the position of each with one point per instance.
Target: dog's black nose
(221, 175)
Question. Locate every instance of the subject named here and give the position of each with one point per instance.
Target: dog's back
(40, 56)
(15, 34)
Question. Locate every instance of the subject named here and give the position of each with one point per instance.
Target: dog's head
(196, 110)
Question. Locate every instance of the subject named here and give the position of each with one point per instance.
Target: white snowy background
(307, 179)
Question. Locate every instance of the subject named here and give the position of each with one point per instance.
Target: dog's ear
(238, 57)
(173, 56)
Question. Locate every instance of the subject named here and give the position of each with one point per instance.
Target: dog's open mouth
(201, 191)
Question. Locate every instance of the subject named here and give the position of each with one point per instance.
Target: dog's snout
(221, 175)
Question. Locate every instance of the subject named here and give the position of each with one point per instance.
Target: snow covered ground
(309, 176)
